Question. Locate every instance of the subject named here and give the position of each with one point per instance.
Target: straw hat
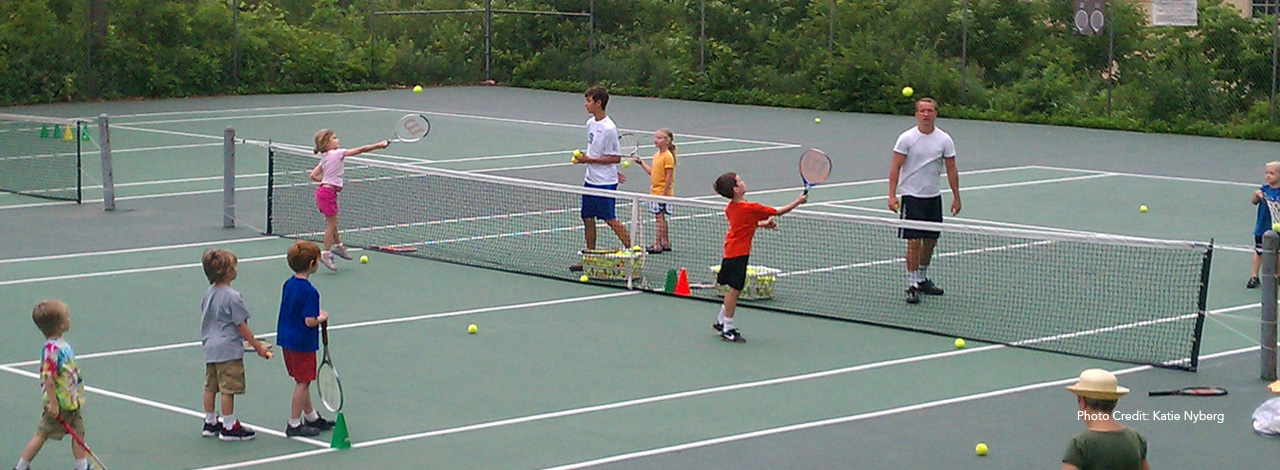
(1098, 384)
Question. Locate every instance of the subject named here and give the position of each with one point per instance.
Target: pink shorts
(327, 200)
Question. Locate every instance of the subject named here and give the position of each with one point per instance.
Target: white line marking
(866, 182)
(696, 154)
(214, 111)
(1157, 177)
(87, 254)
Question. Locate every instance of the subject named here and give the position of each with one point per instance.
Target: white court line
(214, 111)
(683, 144)
(87, 254)
(687, 155)
(165, 147)
(866, 182)
(1157, 177)
(168, 407)
(172, 267)
(248, 116)
(727, 388)
(972, 188)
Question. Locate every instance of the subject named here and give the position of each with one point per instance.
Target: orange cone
(682, 285)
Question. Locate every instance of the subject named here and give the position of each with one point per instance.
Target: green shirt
(1115, 450)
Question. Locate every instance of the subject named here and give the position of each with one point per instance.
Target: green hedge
(1024, 62)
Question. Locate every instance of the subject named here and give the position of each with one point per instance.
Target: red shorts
(301, 365)
(327, 199)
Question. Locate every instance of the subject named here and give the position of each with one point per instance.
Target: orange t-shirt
(743, 217)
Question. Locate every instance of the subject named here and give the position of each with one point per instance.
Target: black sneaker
(732, 336)
(718, 327)
(321, 424)
(574, 268)
(927, 288)
(236, 433)
(913, 295)
(212, 429)
(301, 430)
(1253, 283)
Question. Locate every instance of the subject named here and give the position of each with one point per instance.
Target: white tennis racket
(628, 145)
(411, 128)
(1274, 206)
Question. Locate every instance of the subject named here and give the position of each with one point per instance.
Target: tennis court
(564, 374)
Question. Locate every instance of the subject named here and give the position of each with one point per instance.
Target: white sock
(82, 464)
(228, 421)
(312, 416)
(728, 323)
(721, 317)
(211, 418)
(923, 269)
(911, 278)
(23, 464)
(293, 423)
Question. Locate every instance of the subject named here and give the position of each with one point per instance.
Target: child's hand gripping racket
(93, 458)
(411, 128)
(815, 167)
(327, 382)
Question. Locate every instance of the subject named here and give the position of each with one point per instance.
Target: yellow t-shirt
(658, 173)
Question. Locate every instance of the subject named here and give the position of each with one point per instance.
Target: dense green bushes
(1024, 62)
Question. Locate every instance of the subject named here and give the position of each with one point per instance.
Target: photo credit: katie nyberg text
(1187, 416)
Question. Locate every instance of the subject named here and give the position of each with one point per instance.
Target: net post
(108, 173)
(635, 236)
(229, 178)
(271, 184)
(1202, 308)
(1270, 241)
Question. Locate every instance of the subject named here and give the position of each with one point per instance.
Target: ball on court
(1142, 208)
(584, 278)
(817, 120)
(959, 343)
(907, 91)
(364, 259)
(417, 88)
(626, 163)
(472, 328)
(981, 449)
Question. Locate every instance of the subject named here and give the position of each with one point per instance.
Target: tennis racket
(93, 458)
(627, 145)
(815, 167)
(411, 128)
(1274, 206)
(327, 377)
(248, 347)
(1191, 391)
(393, 248)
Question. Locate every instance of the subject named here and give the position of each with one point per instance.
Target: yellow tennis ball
(472, 328)
(907, 91)
(959, 343)
(981, 449)
(637, 248)
(1276, 227)
(584, 278)
(364, 259)
(626, 163)
(417, 89)
(817, 120)
(1142, 208)
(577, 153)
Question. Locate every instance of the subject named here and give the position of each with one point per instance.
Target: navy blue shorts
(927, 209)
(598, 207)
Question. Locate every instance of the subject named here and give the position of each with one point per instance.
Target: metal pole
(488, 36)
(108, 176)
(229, 178)
(1267, 273)
(591, 42)
(702, 37)
(1111, 47)
(235, 41)
(372, 54)
(964, 47)
(1275, 45)
(831, 27)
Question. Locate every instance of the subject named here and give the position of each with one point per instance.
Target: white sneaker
(327, 260)
(341, 251)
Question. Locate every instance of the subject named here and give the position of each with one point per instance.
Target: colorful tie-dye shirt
(59, 362)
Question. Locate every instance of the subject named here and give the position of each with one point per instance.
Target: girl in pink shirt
(329, 174)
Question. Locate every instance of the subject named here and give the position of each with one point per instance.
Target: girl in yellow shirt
(662, 180)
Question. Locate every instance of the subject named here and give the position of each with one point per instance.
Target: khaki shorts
(226, 378)
(52, 429)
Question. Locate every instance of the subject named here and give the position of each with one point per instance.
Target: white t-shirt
(331, 167)
(602, 139)
(920, 171)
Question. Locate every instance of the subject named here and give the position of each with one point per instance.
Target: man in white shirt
(919, 156)
(601, 158)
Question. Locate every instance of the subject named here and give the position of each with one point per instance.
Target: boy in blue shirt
(298, 334)
(1267, 192)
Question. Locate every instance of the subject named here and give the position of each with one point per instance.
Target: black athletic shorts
(928, 209)
(733, 272)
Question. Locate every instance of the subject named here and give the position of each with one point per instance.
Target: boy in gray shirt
(224, 330)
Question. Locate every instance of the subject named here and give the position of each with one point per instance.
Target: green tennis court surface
(567, 375)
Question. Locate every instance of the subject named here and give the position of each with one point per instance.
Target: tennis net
(1104, 296)
(40, 156)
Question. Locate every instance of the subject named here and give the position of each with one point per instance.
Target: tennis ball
(364, 259)
(1142, 208)
(472, 328)
(817, 120)
(626, 163)
(577, 153)
(907, 92)
(959, 343)
(1276, 227)
(417, 89)
(981, 448)
(637, 248)
(584, 278)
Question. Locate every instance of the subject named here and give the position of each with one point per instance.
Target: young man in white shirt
(919, 156)
(601, 158)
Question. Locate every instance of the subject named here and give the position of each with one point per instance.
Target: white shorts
(659, 208)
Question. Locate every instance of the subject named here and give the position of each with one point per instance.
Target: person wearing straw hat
(1106, 444)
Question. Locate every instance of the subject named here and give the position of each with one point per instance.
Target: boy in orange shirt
(744, 218)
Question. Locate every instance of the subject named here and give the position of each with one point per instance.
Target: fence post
(1267, 274)
(229, 178)
(108, 175)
